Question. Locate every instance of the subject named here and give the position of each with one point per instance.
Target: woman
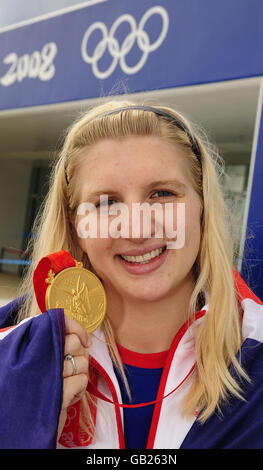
(180, 321)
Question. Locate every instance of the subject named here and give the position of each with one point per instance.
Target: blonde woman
(178, 359)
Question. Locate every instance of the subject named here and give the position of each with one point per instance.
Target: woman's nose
(138, 221)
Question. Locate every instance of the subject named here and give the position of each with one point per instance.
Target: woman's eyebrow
(97, 194)
(172, 183)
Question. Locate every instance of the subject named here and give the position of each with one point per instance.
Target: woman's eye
(162, 193)
(106, 202)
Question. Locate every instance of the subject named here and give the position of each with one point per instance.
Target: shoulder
(252, 310)
(8, 312)
(252, 323)
(251, 352)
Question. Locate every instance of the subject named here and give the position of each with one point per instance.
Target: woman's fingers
(73, 345)
(76, 345)
(81, 363)
(76, 341)
(76, 369)
(73, 327)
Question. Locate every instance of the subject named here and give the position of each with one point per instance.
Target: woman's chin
(147, 294)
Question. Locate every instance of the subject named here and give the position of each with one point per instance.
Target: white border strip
(251, 174)
(52, 14)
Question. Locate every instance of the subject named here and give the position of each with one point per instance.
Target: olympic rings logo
(119, 52)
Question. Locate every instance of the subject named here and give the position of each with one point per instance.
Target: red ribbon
(55, 261)
(93, 390)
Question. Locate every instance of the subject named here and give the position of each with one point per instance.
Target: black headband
(159, 112)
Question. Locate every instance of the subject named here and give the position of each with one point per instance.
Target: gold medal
(80, 293)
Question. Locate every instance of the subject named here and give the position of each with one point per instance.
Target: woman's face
(139, 170)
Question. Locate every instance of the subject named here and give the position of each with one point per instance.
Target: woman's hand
(75, 379)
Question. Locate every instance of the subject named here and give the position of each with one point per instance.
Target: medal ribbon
(55, 262)
(92, 389)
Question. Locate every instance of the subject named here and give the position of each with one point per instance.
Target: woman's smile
(144, 261)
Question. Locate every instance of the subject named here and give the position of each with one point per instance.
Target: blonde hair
(218, 338)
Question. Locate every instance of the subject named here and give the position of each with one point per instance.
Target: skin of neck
(149, 327)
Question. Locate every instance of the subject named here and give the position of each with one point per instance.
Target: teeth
(144, 258)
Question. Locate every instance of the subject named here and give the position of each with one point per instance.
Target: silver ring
(68, 357)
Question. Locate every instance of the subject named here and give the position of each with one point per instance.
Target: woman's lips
(143, 251)
(143, 268)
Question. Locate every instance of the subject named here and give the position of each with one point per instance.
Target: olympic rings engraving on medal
(118, 51)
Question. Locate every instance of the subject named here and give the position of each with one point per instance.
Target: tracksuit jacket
(31, 386)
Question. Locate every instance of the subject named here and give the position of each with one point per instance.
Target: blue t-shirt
(144, 383)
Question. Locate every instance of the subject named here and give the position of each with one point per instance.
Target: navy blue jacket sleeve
(31, 365)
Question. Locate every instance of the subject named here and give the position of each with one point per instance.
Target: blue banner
(252, 263)
(146, 45)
